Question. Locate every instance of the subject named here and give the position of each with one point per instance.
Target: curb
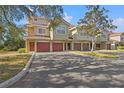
(14, 79)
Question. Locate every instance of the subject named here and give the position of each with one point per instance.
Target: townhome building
(41, 39)
(81, 41)
(85, 40)
(116, 39)
(102, 42)
(61, 38)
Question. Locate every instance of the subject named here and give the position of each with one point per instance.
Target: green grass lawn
(12, 63)
(119, 50)
(94, 54)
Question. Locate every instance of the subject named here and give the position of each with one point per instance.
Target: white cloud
(67, 17)
(119, 22)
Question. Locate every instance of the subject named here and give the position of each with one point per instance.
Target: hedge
(21, 50)
(120, 47)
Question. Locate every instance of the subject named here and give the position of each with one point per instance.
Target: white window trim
(37, 31)
(60, 27)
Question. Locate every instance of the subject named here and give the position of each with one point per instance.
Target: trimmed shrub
(120, 47)
(5, 49)
(21, 50)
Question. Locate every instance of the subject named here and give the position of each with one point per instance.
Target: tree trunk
(93, 44)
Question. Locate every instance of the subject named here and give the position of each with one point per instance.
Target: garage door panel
(77, 46)
(57, 46)
(43, 47)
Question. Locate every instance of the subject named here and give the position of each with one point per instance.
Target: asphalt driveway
(65, 70)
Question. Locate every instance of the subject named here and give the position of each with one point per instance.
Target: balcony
(82, 37)
(102, 39)
(37, 37)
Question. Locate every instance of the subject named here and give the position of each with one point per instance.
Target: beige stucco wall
(38, 22)
(52, 33)
(47, 32)
(28, 45)
(35, 25)
(32, 31)
(117, 38)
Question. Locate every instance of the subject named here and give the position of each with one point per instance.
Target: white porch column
(89, 46)
(81, 46)
(66, 46)
(35, 46)
(106, 45)
(63, 46)
(51, 46)
(72, 46)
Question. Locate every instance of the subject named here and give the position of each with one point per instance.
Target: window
(35, 19)
(40, 31)
(103, 35)
(122, 38)
(60, 30)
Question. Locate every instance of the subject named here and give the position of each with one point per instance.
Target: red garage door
(57, 46)
(31, 46)
(77, 46)
(43, 47)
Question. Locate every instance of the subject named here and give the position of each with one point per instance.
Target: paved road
(65, 70)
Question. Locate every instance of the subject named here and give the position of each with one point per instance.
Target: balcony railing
(82, 37)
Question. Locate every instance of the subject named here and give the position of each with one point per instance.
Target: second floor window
(122, 38)
(60, 30)
(40, 31)
(35, 19)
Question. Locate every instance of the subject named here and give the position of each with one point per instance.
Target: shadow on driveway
(69, 70)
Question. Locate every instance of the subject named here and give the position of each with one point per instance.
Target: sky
(72, 14)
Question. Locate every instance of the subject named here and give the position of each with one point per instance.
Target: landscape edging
(14, 79)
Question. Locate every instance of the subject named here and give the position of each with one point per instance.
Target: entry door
(69, 46)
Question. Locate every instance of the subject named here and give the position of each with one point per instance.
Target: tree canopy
(95, 22)
(11, 33)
